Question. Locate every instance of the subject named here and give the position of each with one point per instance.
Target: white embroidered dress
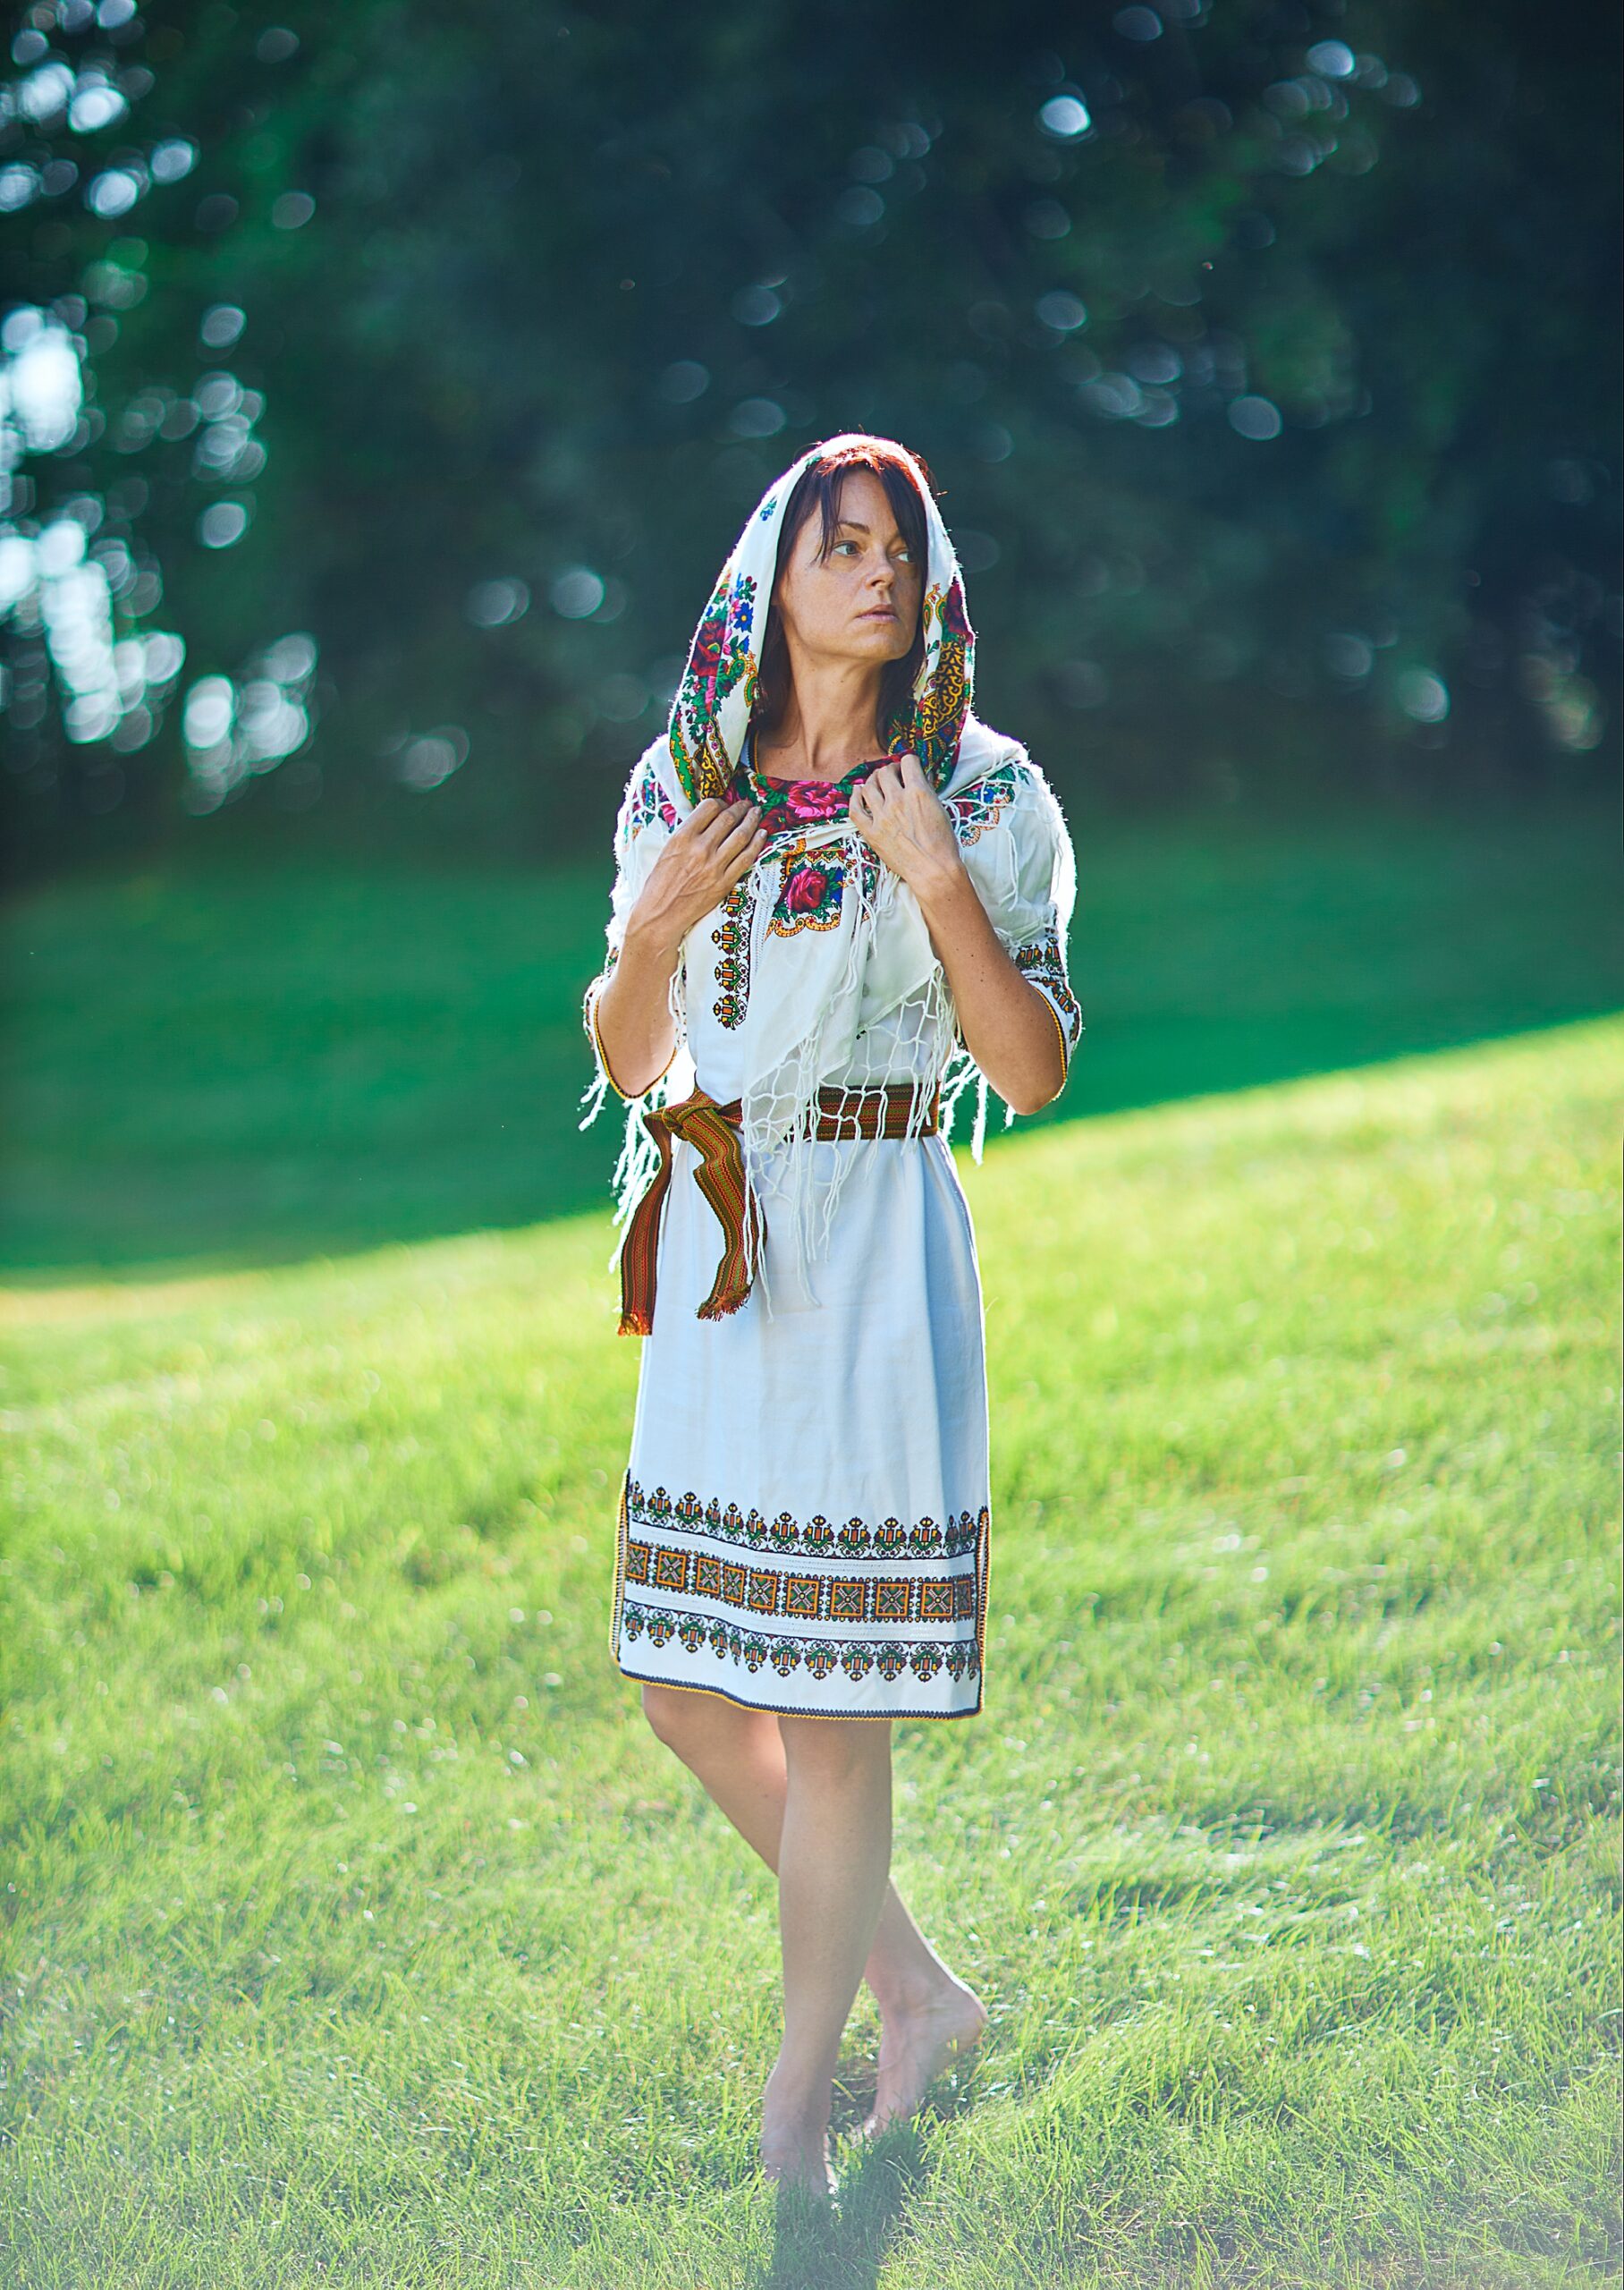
(805, 1520)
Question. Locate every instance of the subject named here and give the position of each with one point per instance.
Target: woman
(838, 898)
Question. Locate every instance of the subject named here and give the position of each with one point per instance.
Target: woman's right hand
(704, 858)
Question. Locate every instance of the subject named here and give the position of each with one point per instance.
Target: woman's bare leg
(833, 1864)
(926, 2013)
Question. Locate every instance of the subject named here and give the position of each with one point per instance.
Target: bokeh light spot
(222, 523)
(1064, 116)
(860, 207)
(755, 306)
(1349, 654)
(492, 604)
(1332, 59)
(756, 416)
(220, 325)
(114, 193)
(1061, 310)
(1254, 417)
(683, 381)
(1422, 695)
(1046, 218)
(172, 159)
(210, 707)
(577, 593)
(427, 760)
(95, 107)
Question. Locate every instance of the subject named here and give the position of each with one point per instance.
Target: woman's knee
(836, 1749)
(686, 1721)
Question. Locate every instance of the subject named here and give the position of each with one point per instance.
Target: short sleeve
(646, 820)
(1015, 844)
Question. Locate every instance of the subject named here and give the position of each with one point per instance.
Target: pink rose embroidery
(804, 891)
(813, 799)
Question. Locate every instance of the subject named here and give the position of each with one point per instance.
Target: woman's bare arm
(1009, 1026)
(715, 845)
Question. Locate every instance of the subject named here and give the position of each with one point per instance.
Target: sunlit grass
(357, 1929)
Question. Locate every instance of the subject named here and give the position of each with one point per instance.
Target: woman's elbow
(1039, 1095)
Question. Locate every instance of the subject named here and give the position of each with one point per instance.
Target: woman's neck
(830, 722)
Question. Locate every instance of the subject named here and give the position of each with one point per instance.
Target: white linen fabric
(805, 1520)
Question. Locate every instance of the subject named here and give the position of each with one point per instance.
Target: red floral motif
(707, 656)
(803, 894)
(815, 798)
(790, 804)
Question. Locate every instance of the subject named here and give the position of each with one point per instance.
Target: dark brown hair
(819, 487)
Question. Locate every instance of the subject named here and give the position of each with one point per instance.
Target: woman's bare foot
(918, 2040)
(802, 2166)
(795, 2145)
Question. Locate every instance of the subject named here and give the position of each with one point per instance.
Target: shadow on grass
(252, 1066)
(817, 2246)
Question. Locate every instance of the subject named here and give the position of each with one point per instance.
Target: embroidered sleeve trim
(1065, 1043)
(1041, 962)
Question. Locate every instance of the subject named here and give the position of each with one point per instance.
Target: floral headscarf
(711, 713)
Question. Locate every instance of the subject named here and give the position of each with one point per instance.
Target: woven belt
(713, 1129)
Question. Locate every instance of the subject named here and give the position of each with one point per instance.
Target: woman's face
(861, 602)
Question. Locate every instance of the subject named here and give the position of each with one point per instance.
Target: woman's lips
(878, 611)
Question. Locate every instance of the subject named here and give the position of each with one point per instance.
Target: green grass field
(358, 1931)
(223, 1063)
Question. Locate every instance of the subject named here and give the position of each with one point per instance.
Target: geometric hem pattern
(804, 1597)
(786, 1537)
(754, 1645)
(923, 1658)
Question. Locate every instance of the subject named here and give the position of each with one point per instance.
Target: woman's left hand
(898, 814)
(1006, 1023)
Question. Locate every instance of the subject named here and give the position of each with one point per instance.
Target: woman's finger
(747, 857)
(736, 833)
(911, 770)
(723, 821)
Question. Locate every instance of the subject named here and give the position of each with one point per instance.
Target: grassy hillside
(356, 1930)
(247, 1064)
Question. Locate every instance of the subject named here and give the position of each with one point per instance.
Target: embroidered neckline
(780, 779)
(789, 805)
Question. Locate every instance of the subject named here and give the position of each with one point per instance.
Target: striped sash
(713, 1129)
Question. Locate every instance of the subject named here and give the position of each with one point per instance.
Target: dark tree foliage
(1267, 355)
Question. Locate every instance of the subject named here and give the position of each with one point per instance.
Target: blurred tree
(1267, 357)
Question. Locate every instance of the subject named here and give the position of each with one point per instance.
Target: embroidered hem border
(902, 1655)
(786, 1537)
